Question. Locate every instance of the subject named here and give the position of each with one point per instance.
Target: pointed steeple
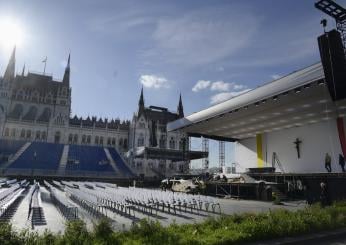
(23, 71)
(141, 102)
(180, 109)
(10, 70)
(66, 79)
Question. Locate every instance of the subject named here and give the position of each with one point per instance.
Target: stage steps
(281, 196)
(63, 160)
(247, 178)
(111, 160)
(17, 155)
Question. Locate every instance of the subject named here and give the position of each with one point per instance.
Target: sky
(206, 50)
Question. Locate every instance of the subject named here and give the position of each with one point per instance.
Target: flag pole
(45, 64)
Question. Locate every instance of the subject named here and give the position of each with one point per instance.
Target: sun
(11, 34)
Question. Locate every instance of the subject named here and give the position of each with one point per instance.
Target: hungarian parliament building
(37, 108)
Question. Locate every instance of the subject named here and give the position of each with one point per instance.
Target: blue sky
(207, 50)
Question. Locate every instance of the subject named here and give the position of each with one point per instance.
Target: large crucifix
(297, 143)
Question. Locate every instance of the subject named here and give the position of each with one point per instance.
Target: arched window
(45, 116)
(181, 144)
(34, 96)
(75, 139)
(60, 120)
(44, 135)
(171, 143)
(109, 140)
(83, 139)
(7, 132)
(49, 98)
(121, 143)
(64, 91)
(27, 94)
(70, 138)
(20, 95)
(13, 133)
(96, 140)
(162, 141)
(38, 135)
(31, 114)
(125, 143)
(16, 112)
(88, 139)
(101, 140)
(113, 142)
(22, 133)
(140, 141)
(57, 137)
(28, 134)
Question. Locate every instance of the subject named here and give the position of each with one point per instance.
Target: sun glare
(11, 34)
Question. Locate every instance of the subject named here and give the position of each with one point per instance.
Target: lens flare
(11, 34)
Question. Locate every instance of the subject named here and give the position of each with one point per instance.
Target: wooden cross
(297, 143)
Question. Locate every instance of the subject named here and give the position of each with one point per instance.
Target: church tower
(180, 109)
(141, 103)
(6, 84)
(66, 79)
(10, 70)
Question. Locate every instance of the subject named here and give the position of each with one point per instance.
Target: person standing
(324, 195)
(342, 162)
(328, 163)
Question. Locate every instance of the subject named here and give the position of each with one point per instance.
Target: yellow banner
(259, 151)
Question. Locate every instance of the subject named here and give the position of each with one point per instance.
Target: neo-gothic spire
(23, 71)
(141, 102)
(10, 69)
(180, 108)
(66, 79)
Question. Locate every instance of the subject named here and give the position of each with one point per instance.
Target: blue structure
(42, 158)
(120, 163)
(87, 158)
(9, 148)
(40, 155)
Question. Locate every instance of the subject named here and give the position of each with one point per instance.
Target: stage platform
(290, 186)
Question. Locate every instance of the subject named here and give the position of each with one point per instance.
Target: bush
(76, 234)
(227, 229)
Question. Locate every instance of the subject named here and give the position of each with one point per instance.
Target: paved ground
(56, 222)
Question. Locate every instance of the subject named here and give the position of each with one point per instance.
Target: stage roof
(297, 99)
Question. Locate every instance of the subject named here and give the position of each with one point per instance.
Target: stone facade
(36, 107)
(149, 129)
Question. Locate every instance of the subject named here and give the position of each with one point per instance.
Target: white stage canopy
(297, 99)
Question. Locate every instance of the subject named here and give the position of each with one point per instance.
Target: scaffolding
(205, 148)
(221, 154)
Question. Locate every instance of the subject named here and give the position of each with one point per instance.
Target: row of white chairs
(147, 200)
(67, 209)
(88, 202)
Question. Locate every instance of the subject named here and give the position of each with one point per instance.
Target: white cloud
(204, 36)
(275, 76)
(153, 81)
(220, 97)
(239, 86)
(220, 86)
(200, 85)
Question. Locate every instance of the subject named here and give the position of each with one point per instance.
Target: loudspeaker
(334, 63)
